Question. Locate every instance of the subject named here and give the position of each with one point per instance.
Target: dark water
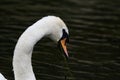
(94, 38)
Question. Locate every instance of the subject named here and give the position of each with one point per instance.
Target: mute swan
(50, 26)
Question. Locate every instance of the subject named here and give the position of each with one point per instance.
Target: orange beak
(63, 44)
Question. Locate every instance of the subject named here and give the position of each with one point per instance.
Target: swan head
(62, 43)
(60, 34)
(62, 40)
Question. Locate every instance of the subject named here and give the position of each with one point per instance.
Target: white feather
(2, 77)
(50, 26)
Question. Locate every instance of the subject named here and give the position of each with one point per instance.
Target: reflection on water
(94, 38)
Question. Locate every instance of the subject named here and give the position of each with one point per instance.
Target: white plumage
(2, 77)
(49, 26)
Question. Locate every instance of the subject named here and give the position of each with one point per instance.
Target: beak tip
(66, 55)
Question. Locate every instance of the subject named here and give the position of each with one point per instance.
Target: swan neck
(23, 52)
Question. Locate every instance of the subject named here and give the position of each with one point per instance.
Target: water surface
(94, 38)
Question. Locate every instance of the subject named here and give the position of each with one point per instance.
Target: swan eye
(65, 35)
